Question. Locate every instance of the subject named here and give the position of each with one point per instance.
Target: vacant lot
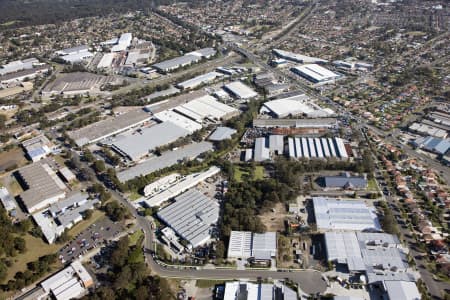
(274, 219)
(12, 159)
(242, 173)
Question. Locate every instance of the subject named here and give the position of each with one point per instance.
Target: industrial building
(344, 181)
(326, 123)
(206, 107)
(37, 147)
(199, 80)
(7, 200)
(222, 133)
(432, 144)
(77, 83)
(12, 79)
(105, 128)
(172, 185)
(192, 216)
(166, 159)
(240, 91)
(77, 57)
(318, 148)
(106, 61)
(294, 106)
(18, 65)
(401, 290)
(137, 57)
(123, 42)
(426, 129)
(71, 283)
(376, 255)
(315, 73)
(63, 215)
(298, 58)
(42, 186)
(66, 174)
(257, 246)
(261, 150)
(334, 214)
(185, 60)
(236, 290)
(144, 141)
(73, 50)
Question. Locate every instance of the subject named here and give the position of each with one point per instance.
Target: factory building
(317, 148)
(192, 216)
(294, 106)
(7, 200)
(432, 144)
(18, 65)
(63, 215)
(315, 73)
(172, 185)
(166, 159)
(19, 76)
(298, 58)
(123, 42)
(257, 246)
(240, 91)
(257, 291)
(37, 147)
(73, 50)
(222, 133)
(111, 126)
(376, 255)
(77, 57)
(71, 283)
(185, 60)
(199, 80)
(144, 141)
(326, 123)
(334, 214)
(42, 186)
(206, 107)
(344, 181)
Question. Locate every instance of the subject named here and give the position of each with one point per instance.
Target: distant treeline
(19, 13)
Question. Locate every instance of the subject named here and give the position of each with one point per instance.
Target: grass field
(134, 238)
(96, 215)
(240, 172)
(372, 185)
(133, 196)
(204, 283)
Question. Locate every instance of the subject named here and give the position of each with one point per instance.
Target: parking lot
(94, 236)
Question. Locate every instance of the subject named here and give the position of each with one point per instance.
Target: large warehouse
(206, 107)
(294, 106)
(42, 186)
(105, 128)
(141, 143)
(315, 73)
(317, 148)
(245, 244)
(199, 80)
(166, 159)
(299, 58)
(334, 214)
(192, 216)
(240, 91)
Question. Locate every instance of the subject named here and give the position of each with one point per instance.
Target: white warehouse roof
(293, 106)
(199, 80)
(298, 57)
(141, 143)
(240, 90)
(315, 73)
(333, 214)
(240, 244)
(206, 107)
(402, 290)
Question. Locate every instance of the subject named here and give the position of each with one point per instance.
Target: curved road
(309, 281)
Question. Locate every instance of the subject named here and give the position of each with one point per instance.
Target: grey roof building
(141, 143)
(259, 246)
(261, 149)
(276, 144)
(222, 133)
(43, 186)
(345, 181)
(167, 159)
(192, 216)
(178, 62)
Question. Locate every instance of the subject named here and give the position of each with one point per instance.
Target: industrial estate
(229, 149)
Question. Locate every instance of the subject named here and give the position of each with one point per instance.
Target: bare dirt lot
(12, 158)
(274, 219)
